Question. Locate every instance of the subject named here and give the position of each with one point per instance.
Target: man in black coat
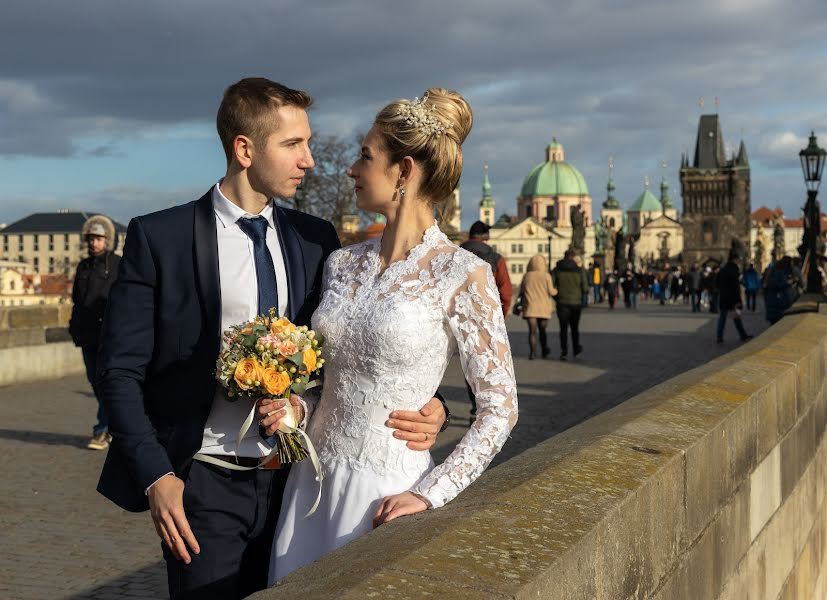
(729, 298)
(90, 292)
(187, 272)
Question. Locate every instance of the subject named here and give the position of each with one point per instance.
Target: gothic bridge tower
(716, 196)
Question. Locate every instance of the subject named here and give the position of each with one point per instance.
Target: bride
(393, 311)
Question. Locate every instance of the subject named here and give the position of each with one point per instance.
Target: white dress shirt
(239, 304)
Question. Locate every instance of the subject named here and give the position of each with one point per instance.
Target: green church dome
(646, 202)
(554, 177)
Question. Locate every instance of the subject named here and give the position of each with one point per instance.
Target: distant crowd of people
(718, 289)
(565, 290)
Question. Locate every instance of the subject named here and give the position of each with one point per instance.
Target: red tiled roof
(54, 284)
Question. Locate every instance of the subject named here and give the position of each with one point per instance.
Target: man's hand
(166, 505)
(396, 506)
(270, 412)
(419, 428)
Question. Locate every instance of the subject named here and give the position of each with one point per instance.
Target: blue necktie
(256, 230)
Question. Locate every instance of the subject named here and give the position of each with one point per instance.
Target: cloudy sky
(109, 106)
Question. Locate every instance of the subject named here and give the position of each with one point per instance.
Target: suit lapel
(291, 249)
(206, 260)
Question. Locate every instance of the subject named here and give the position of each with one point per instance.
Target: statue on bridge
(760, 248)
(778, 249)
(599, 238)
(578, 230)
(620, 252)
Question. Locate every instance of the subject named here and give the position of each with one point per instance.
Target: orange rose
(282, 325)
(309, 357)
(247, 372)
(275, 382)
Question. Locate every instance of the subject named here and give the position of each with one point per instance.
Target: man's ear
(243, 151)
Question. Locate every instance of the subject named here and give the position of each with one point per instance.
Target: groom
(188, 273)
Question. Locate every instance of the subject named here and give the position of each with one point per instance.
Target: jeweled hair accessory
(420, 115)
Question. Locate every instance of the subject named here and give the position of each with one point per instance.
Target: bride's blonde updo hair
(431, 131)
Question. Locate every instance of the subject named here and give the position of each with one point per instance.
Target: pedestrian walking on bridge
(537, 291)
(570, 281)
(729, 298)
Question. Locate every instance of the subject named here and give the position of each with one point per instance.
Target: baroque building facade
(716, 196)
(544, 207)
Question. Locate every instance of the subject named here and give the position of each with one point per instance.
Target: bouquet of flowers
(271, 357)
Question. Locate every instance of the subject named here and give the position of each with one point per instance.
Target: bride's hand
(270, 412)
(391, 507)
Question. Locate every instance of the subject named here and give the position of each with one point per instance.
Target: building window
(66, 265)
(51, 264)
(520, 248)
(11, 285)
(527, 211)
(20, 243)
(5, 243)
(36, 264)
(513, 248)
(66, 243)
(20, 258)
(520, 268)
(708, 233)
(51, 242)
(551, 213)
(539, 248)
(612, 222)
(36, 242)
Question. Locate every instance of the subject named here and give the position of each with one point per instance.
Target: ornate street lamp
(812, 164)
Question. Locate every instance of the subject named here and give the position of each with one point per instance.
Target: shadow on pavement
(149, 583)
(46, 438)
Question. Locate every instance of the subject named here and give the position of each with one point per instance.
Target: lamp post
(549, 253)
(812, 164)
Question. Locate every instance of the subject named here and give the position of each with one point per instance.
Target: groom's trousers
(233, 515)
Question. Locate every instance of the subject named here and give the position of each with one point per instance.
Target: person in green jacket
(571, 283)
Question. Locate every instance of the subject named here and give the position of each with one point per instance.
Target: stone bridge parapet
(710, 485)
(35, 344)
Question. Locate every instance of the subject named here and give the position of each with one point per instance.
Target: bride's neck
(405, 228)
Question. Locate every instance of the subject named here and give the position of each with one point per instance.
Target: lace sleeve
(475, 316)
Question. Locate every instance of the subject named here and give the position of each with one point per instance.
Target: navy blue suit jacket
(161, 337)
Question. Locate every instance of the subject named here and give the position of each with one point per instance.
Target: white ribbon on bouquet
(288, 425)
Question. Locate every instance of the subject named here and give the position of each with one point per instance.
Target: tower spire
(665, 200)
(611, 201)
(487, 202)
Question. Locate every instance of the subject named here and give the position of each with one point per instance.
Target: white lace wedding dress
(389, 337)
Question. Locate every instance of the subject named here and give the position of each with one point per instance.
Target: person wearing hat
(477, 244)
(90, 291)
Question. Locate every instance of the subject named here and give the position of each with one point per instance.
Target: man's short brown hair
(248, 109)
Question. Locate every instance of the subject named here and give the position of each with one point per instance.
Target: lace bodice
(389, 337)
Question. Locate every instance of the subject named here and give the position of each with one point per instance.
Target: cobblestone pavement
(63, 540)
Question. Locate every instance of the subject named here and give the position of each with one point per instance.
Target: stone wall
(35, 344)
(710, 485)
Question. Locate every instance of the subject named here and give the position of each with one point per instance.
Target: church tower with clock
(716, 196)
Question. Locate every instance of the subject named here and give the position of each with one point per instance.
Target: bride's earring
(401, 193)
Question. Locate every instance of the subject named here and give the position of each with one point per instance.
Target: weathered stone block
(12, 338)
(57, 334)
(33, 316)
